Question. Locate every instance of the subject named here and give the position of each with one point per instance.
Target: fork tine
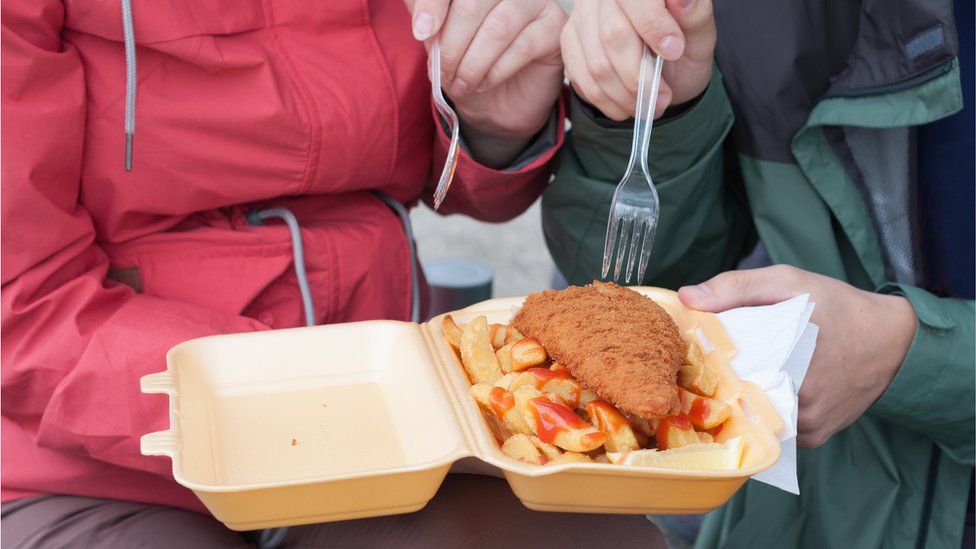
(608, 244)
(632, 257)
(650, 230)
(625, 233)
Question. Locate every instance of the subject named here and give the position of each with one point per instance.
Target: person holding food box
(840, 136)
(277, 145)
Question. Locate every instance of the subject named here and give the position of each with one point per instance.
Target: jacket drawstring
(130, 81)
(404, 216)
(257, 217)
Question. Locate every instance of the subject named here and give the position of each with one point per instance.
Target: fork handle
(644, 115)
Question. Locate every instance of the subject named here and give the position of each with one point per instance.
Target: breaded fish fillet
(618, 343)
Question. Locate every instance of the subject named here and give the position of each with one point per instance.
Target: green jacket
(798, 167)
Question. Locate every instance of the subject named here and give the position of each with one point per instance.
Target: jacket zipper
(911, 82)
(923, 527)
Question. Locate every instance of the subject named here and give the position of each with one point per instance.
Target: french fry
(571, 457)
(499, 332)
(519, 447)
(559, 400)
(694, 354)
(548, 450)
(555, 423)
(675, 432)
(620, 436)
(521, 354)
(501, 404)
(642, 430)
(547, 381)
(504, 357)
(703, 412)
(716, 430)
(477, 354)
(586, 397)
(527, 353)
(641, 425)
(505, 382)
(698, 378)
(512, 335)
(452, 333)
(480, 392)
(496, 426)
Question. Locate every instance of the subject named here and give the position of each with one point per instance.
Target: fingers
(463, 21)
(583, 83)
(598, 64)
(744, 288)
(427, 17)
(622, 44)
(514, 34)
(538, 41)
(656, 26)
(696, 21)
(602, 53)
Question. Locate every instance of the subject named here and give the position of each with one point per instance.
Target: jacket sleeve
(704, 225)
(934, 391)
(489, 194)
(74, 344)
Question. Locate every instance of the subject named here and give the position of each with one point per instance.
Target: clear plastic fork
(635, 203)
(445, 110)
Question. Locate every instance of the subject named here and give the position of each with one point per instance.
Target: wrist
(898, 329)
(493, 147)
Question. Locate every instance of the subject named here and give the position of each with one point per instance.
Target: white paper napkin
(774, 345)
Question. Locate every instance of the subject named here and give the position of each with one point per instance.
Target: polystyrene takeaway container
(364, 419)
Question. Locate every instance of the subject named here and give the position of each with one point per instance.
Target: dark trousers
(468, 511)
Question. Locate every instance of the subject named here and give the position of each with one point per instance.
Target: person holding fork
(173, 170)
(840, 137)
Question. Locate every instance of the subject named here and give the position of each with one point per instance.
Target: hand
(603, 43)
(500, 65)
(863, 339)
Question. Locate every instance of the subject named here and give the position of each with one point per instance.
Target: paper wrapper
(774, 345)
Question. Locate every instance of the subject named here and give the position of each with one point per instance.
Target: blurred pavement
(515, 251)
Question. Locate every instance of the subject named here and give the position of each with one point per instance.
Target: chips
(526, 353)
(554, 383)
(694, 375)
(477, 354)
(675, 432)
(703, 412)
(543, 415)
(620, 435)
(521, 448)
(554, 423)
(452, 333)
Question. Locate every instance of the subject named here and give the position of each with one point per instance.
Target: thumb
(697, 22)
(427, 17)
(742, 289)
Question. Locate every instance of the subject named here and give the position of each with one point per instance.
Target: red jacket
(241, 104)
